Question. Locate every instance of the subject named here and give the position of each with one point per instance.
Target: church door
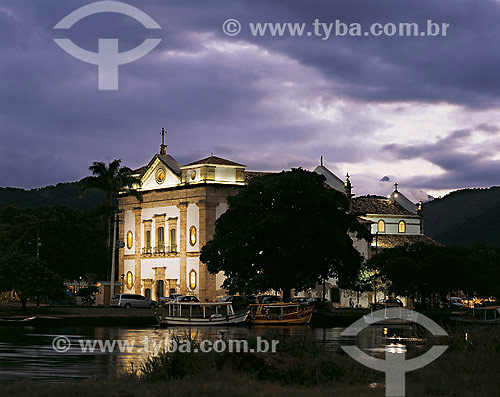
(159, 289)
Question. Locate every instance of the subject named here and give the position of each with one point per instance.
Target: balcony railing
(162, 250)
(147, 250)
(159, 249)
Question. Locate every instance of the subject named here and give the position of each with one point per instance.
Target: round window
(193, 175)
(160, 175)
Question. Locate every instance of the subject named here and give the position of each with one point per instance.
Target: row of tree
(289, 231)
(41, 247)
(423, 271)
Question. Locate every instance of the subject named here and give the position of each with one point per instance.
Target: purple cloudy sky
(424, 111)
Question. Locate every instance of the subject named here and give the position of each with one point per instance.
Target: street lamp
(121, 244)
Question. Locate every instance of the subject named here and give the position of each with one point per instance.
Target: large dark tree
(28, 277)
(284, 231)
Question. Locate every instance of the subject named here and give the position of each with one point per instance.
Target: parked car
(272, 299)
(260, 298)
(238, 301)
(299, 299)
(132, 300)
(187, 298)
(456, 302)
(390, 302)
(170, 298)
(316, 300)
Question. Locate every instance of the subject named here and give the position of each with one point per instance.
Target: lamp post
(121, 244)
(375, 278)
(113, 254)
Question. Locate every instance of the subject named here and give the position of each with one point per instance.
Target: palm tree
(111, 179)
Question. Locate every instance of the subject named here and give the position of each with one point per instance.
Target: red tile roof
(378, 205)
(394, 240)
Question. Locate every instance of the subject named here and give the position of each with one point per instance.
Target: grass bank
(300, 368)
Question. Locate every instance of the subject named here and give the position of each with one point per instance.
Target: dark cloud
(269, 102)
(459, 166)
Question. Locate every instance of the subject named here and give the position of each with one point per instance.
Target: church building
(164, 233)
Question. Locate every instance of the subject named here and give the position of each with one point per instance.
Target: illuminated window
(381, 226)
(192, 279)
(173, 240)
(402, 227)
(192, 235)
(130, 239)
(130, 280)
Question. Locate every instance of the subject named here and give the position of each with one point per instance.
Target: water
(27, 352)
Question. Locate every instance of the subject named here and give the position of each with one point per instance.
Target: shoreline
(106, 316)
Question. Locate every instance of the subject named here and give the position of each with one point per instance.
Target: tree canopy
(422, 270)
(28, 276)
(72, 242)
(284, 231)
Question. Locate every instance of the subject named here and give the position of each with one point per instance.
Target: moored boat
(280, 314)
(17, 319)
(479, 315)
(196, 313)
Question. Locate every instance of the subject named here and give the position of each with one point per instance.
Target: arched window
(381, 226)
(402, 227)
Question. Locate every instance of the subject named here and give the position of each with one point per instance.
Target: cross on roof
(163, 147)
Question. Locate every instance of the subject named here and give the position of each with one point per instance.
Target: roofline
(185, 186)
(186, 167)
(148, 166)
(392, 215)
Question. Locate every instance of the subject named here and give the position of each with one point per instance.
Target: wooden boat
(196, 313)
(280, 314)
(16, 319)
(480, 315)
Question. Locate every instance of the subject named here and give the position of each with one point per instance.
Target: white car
(456, 302)
(132, 300)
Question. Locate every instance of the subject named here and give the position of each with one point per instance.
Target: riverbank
(469, 367)
(104, 316)
(77, 316)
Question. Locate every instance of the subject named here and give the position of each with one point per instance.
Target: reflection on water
(27, 353)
